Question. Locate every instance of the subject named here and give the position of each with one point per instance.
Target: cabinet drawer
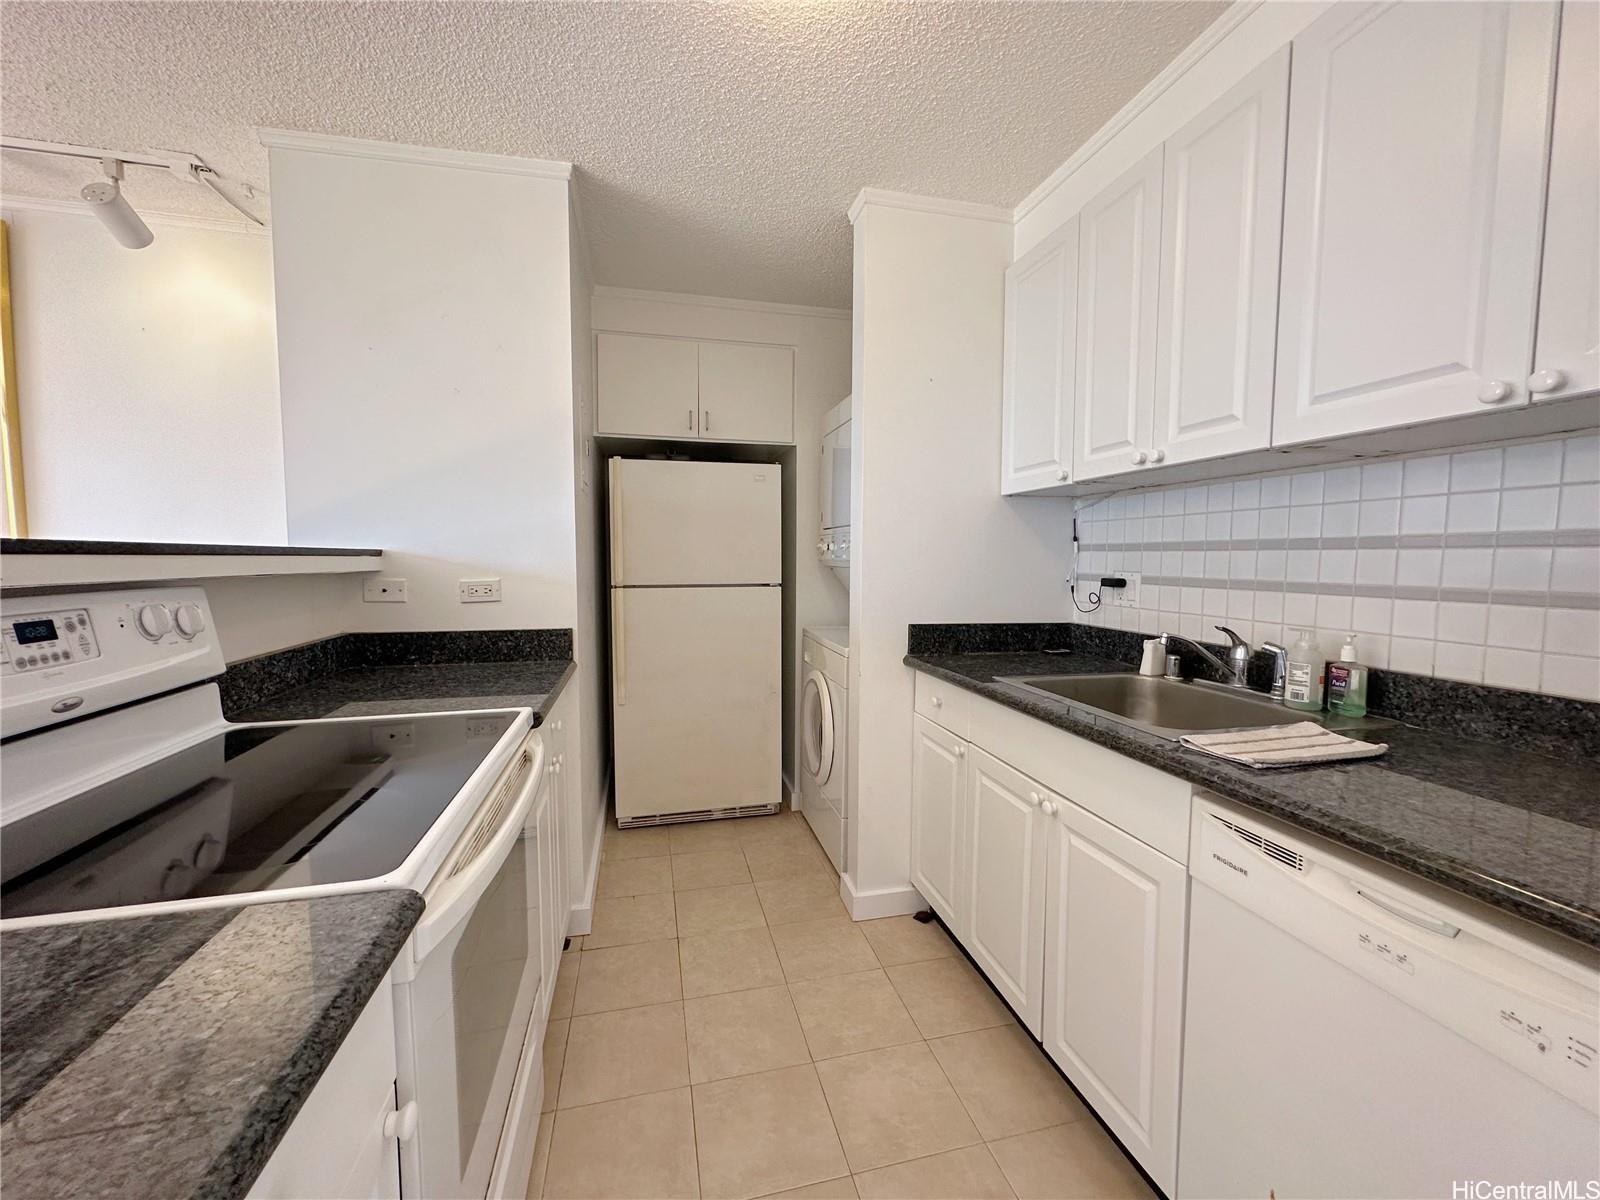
(944, 704)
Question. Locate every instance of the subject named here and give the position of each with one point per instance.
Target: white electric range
(126, 793)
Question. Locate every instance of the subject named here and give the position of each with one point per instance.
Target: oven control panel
(67, 655)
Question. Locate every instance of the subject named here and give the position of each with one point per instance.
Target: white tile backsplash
(1481, 565)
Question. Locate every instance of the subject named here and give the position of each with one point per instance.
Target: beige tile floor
(725, 1030)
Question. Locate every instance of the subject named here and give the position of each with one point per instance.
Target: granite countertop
(1515, 829)
(68, 546)
(166, 1056)
(418, 687)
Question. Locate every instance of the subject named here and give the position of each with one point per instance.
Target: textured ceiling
(717, 144)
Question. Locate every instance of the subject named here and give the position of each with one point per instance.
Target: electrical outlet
(384, 590)
(480, 591)
(400, 733)
(1125, 597)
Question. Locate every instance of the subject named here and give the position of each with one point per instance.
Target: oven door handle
(448, 900)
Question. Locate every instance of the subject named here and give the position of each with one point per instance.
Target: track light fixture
(112, 207)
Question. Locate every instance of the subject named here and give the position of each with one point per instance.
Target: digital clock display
(28, 632)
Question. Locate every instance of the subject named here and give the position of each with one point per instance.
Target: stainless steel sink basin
(1169, 708)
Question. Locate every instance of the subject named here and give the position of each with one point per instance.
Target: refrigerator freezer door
(695, 523)
(695, 698)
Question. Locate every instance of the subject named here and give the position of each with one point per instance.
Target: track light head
(112, 207)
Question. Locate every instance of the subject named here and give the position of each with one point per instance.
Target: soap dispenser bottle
(1347, 682)
(1302, 687)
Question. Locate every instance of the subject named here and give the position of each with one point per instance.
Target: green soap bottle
(1347, 682)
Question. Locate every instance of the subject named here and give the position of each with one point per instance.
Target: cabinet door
(1566, 356)
(1040, 371)
(938, 821)
(1119, 277)
(1113, 993)
(746, 392)
(1221, 226)
(646, 386)
(1006, 833)
(1412, 212)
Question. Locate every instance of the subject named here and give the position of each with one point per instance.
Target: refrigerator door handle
(619, 650)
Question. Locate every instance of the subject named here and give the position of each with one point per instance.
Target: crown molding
(77, 208)
(433, 156)
(764, 306)
(1165, 78)
(928, 204)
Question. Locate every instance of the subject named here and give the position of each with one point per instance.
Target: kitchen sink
(1170, 708)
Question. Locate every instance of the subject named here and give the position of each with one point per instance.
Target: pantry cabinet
(662, 387)
(938, 817)
(1040, 853)
(1413, 209)
(1005, 883)
(1221, 226)
(1041, 365)
(1566, 356)
(1113, 990)
(1119, 259)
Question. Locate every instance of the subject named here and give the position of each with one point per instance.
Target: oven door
(469, 1004)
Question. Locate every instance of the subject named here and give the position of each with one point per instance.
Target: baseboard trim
(581, 919)
(879, 902)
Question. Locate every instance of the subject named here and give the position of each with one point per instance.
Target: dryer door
(816, 727)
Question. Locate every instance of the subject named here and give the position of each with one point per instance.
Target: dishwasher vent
(1276, 851)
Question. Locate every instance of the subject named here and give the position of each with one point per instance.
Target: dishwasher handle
(1420, 920)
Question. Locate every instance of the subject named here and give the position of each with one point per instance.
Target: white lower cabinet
(343, 1141)
(1078, 924)
(938, 817)
(1005, 884)
(1113, 988)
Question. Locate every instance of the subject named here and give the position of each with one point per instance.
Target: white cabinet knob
(960, 751)
(1541, 382)
(402, 1123)
(558, 724)
(1140, 458)
(1034, 800)
(1048, 807)
(1493, 391)
(936, 702)
(1158, 456)
(1063, 475)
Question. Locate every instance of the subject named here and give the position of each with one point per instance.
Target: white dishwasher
(1353, 1032)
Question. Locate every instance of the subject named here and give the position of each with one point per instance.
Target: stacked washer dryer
(824, 712)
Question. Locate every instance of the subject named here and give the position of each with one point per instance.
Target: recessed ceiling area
(717, 145)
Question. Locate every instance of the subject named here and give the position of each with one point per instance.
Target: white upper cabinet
(663, 387)
(1221, 226)
(1412, 213)
(746, 392)
(1006, 859)
(647, 386)
(1566, 357)
(1040, 371)
(1119, 251)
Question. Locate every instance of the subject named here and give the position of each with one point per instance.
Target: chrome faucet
(1238, 657)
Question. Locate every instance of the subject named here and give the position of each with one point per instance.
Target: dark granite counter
(68, 546)
(166, 1056)
(430, 687)
(1516, 829)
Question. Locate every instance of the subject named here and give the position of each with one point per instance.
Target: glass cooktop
(253, 809)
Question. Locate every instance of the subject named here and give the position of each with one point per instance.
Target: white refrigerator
(696, 638)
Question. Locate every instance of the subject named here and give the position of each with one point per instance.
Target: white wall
(933, 538)
(147, 380)
(821, 338)
(425, 352)
(257, 614)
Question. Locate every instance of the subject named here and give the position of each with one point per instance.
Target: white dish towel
(1283, 745)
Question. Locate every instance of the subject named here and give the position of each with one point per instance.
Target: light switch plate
(1124, 597)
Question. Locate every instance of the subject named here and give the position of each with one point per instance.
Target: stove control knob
(154, 621)
(190, 621)
(207, 854)
(175, 883)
